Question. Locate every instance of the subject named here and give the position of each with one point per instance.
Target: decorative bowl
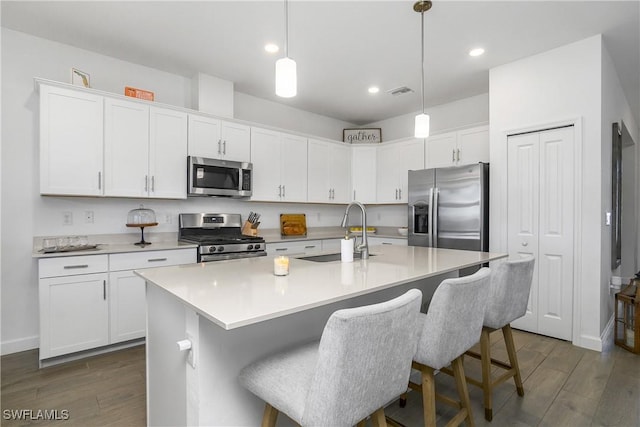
(403, 231)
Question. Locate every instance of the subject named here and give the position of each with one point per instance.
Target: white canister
(346, 250)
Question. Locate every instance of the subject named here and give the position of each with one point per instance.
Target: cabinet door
(363, 174)
(126, 148)
(387, 175)
(294, 168)
(266, 159)
(319, 190)
(473, 145)
(74, 313)
(441, 150)
(71, 142)
(411, 155)
(204, 137)
(127, 306)
(340, 173)
(236, 141)
(167, 154)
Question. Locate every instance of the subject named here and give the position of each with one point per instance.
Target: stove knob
(212, 249)
(249, 247)
(220, 248)
(256, 246)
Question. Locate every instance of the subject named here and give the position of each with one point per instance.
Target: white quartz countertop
(272, 235)
(242, 292)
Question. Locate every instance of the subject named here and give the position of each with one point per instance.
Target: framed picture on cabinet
(362, 135)
(80, 78)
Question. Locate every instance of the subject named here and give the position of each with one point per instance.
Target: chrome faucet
(363, 247)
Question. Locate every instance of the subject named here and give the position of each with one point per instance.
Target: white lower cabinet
(96, 300)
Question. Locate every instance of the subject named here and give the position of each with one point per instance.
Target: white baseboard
(21, 344)
(596, 343)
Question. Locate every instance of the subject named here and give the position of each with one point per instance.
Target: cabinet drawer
(300, 247)
(138, 260)
(70, 266)
(387, 241)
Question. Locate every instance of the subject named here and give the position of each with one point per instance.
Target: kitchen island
(232, 313)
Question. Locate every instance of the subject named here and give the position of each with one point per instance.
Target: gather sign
(362, 136)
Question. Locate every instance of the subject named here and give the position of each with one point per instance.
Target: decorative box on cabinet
(279, 166)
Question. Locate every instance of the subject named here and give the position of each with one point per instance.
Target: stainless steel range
(219, 236)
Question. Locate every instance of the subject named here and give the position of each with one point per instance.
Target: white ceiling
(341, 47)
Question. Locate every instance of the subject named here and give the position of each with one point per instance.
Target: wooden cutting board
(293, 225)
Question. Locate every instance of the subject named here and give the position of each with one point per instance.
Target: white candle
(281, 266)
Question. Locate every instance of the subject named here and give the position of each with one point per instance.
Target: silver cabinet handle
(387, 243)
(146, 183)
(284, 193)
(280, 249)
(279, 190)
(219, 145)
(153, 184)
(453, 155)
(156, 259)
(104, 290)
(69, 267)
(310, 247)
(458, 154)
(99, 180)
(224, 147)
(399, 193)
(329, 194)
(354, 194)
(396, 194)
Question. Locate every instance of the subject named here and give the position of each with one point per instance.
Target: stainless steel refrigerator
(449, 207)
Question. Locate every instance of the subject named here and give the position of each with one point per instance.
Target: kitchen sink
(330, 257)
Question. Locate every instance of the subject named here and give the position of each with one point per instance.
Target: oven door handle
(231, 255)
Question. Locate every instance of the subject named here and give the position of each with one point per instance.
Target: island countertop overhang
(237, 293)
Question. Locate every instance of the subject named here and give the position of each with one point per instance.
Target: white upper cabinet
(393, 163)
(126, 149)
(218, 139)
(363, 173)
(279, 166)
(463, 147)
(71, 142)
(329, 172)
(167, 153)
(145, 150)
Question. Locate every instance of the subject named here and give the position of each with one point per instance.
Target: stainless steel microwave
(214, 177)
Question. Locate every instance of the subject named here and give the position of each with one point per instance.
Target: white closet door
(522, 213)
(555, 254)
(540, 222)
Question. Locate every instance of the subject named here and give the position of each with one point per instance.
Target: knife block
(248, 230)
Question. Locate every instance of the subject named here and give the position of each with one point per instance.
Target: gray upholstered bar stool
(362, 363)
(451, 326)
(510, 287)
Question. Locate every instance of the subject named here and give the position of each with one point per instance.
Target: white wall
(557, 85)
(454, 115)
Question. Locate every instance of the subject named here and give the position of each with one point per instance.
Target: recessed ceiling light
(476, 52)
(271, 47)
(374, 89)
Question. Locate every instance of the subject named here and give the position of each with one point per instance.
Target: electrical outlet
(88, 217)
(167, 219)
(67, 218)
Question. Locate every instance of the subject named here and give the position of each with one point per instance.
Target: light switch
(607, 220)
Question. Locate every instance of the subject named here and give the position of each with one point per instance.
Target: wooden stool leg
(270, 416)
(403, 400)
(428, 396)
(463, 391)
(513, 358)
(485, 354)
(379, 419)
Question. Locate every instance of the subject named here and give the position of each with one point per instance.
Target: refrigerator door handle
(434, 216)
(430, 219)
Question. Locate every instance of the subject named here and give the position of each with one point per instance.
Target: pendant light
(422, 119)
(286, 75)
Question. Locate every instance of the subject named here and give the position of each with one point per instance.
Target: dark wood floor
(564, 386)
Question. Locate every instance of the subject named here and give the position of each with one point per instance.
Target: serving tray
(69, 249)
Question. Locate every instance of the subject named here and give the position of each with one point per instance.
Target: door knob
(524, 243)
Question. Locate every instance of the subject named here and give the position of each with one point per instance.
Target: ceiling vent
(400, 91)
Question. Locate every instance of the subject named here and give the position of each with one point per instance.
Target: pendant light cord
(286, 29)
(422, 54)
